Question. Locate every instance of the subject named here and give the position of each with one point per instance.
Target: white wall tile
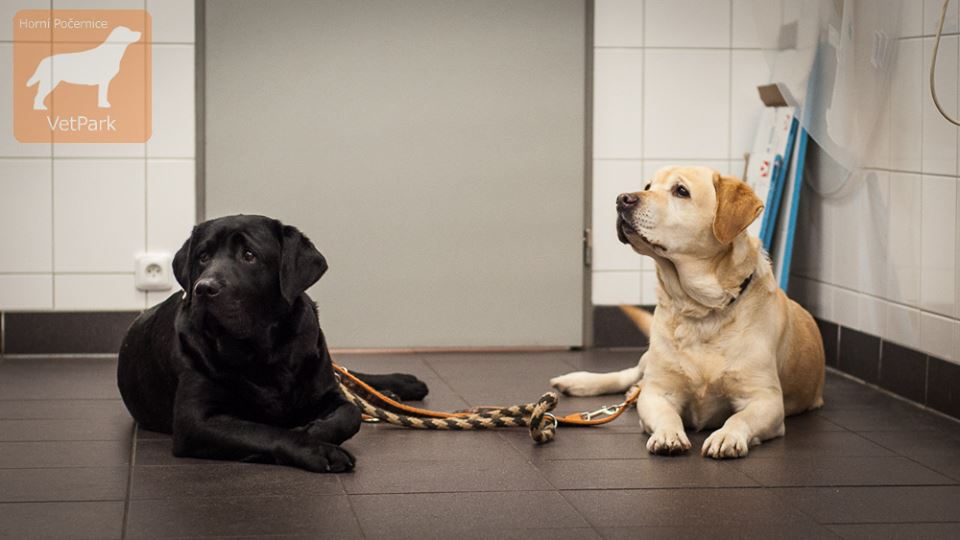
(687, 23)
(155, 297)
(911, 19)
(940, 136)
(873, 315)
(903, 247)
(173, 102)
(873, 207)
(611, 178)
(651, 166)
(931, 16)
(648, 286)
(938, 241)
(98, 4)
(903, 325)
(819, 299)
(748, 70)
(614, 288)
(10, 8)
(9, 145)
(99, 214)
(172, 20)
(938, 336)
(617, 23)
(97, 292)
(26, 211)
(745, 33)
(617, 103)
(171, 210)
(26, 291)
(846, 308)
(905, 107)
(686, 104)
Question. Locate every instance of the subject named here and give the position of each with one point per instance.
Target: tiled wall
(884, 260)
(74, 216)
(674, 82)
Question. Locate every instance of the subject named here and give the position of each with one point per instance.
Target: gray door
(432, 149)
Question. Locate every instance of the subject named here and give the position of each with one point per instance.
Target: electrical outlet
(153, 272)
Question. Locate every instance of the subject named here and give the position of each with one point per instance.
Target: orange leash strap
(598, 417)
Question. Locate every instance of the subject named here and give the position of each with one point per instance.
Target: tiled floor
(866, 466)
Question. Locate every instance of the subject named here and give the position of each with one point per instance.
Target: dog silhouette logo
(82, 76)
(94, 67)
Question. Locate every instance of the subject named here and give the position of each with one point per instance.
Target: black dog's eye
(648, 187)
(203, 257)
(681, 192)
(249, 256)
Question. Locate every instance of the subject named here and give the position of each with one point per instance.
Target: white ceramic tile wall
(885, 258)
(669, 89)
(74, 216)
(894, 244)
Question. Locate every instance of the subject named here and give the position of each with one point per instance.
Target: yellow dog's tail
(640, 317)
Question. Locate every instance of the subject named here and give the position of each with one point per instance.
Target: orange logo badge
(81, 76)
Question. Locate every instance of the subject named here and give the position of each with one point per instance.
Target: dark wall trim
(65, 332)
(908, 373)
(611, 328)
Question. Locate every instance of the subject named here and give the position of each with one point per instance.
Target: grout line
(895, 302)
(889, 393)
(130, 469)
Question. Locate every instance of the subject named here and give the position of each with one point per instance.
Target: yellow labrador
(727, 347)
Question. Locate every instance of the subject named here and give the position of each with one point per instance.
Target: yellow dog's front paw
(726, 443)
(667, 442)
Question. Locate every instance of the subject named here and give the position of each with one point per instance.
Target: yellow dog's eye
(680, 191)
(647, 188)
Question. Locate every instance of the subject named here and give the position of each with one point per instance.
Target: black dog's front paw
(324, 458)
(408, 387)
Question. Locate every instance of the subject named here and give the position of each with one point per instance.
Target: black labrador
(236, 366)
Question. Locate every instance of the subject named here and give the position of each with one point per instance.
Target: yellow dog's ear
(737, 207)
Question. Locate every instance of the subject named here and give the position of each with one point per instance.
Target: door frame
(200, 54)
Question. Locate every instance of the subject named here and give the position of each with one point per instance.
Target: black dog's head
(246, 271)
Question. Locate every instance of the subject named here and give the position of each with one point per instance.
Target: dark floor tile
(328, 516)
(64, 332)
(814, 444)
(892, 415)
(472, 515)
(602, 360)
(63, 409)
(903, 371)
(934, 449)
(61, 520)
(398, 444)
(889, 504)
(830, 333)
(741, 531)
(687, 507)
(147, 435)
(943, 387)
(226, 479)
(499, 379)
(160, 452)
(511, 473)
(897, 531)
(860, 354)
(76, 484)
(660, 472)
(839, 471)
(843, 392)
(59, 378)
(577, 443)
(441, 397)
(809, 422)
(19, 455)
(112, 429)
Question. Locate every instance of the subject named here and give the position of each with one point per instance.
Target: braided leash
(538, 417)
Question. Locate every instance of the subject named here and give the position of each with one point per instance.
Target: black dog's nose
(626, 200)
(207, 287)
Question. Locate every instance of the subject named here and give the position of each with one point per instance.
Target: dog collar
(743, 286)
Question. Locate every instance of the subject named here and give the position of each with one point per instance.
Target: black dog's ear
(301, 265)
(181, 265)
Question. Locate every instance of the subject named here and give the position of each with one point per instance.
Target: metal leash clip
(606, 410)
